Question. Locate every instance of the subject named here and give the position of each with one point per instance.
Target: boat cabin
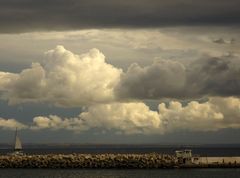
(184, 156)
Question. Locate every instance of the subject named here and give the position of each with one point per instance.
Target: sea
(119, 173)
(202, 150)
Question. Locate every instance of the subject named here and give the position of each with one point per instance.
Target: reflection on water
(103, 173)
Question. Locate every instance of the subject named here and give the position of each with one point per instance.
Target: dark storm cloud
(215, 76)
(167, 79)
(33, 15)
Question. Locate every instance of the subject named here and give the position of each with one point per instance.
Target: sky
(115, 72)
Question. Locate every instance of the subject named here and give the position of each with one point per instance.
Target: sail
(18, 144)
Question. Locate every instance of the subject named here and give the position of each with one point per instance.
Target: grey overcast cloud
(141, 71)
(32, 15)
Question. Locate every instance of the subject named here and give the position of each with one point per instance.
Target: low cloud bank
(136, 118)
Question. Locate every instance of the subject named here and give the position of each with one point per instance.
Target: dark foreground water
(103, 173)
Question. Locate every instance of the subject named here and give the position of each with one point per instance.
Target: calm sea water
(103, 173)
(96, 149)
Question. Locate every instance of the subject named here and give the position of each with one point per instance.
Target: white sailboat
(17, 145)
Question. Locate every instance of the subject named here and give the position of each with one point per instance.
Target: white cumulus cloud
(11, 124)
(128, 118)
(55, 122)
(65, 79)
(215, 114)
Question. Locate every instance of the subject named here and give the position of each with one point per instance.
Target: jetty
(128, 161)
(181, 159)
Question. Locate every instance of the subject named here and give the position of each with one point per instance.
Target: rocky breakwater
(88, 161)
